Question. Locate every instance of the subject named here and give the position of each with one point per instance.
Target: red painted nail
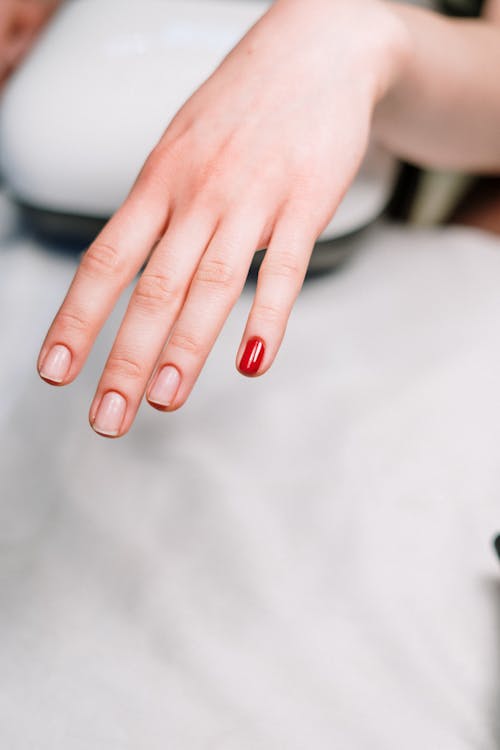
(252, 356)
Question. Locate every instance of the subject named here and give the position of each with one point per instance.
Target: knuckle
(73, 322)
(268, 313)
(123, 366)
(155, 291)
(101, 259)
(173, 147)
(283, 264)
(185, 342)
(210, 174)
(211, 191)
(306, 184)
(305, 162)
(156, 168)
(166, 158)
(216, 272)
(149, 171)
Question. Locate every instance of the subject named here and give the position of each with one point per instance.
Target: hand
(20, 23)
(260, 156)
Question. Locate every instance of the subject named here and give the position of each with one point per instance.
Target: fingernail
(165, 386)
(110, 415)
(56, 364)
(252, 356)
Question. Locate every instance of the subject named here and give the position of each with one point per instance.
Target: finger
(280, 280)
(5, 71)
(106, 269)
(152, 311)
(21, 29)
(216, 287)
(29, 15)
(17, 48)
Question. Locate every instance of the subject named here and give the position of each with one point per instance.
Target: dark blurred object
(65, 231)
(405, 192)
(480, 207)
(496, 544)
(467, 8)
(72, 234)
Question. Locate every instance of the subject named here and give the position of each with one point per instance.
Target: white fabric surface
(296, 563)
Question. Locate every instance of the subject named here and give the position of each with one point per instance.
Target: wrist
(369, 37)
(393, 50)
(396, 102)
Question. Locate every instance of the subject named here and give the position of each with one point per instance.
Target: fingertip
(164, 388)
(108, 416)
(254, 375)
(54, 366)
(252, 358)
(166, 409)
(159, 407)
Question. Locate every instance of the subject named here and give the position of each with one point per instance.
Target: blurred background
(302, 561)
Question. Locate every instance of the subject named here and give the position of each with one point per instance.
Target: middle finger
(152, 310)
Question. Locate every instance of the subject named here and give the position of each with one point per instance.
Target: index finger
(106, 269)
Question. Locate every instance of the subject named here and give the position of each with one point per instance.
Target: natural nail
(110, 415)
(56, 364)
(252, 356)
(165, 387)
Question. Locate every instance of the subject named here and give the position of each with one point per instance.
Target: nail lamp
(80, 116)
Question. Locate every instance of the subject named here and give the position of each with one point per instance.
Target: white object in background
(81, 115)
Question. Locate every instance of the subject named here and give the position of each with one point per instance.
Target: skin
(492, 11)
(444, 112)
(245, 165)
(20, 24)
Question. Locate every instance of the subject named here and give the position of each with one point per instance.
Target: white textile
(301, 562)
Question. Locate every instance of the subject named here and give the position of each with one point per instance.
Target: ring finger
(216, 287)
